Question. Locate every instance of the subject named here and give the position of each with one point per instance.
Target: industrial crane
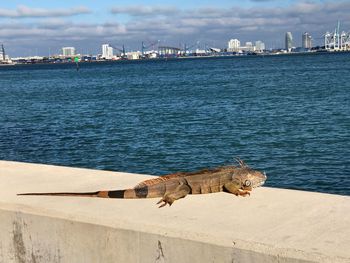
(121, 50)
(144, 47)
(187, 48)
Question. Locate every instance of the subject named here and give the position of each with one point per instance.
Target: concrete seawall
(272, 225)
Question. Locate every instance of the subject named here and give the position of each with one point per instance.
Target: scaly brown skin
(237, 180)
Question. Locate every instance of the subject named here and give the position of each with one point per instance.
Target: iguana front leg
(235, 187)
(180, 192)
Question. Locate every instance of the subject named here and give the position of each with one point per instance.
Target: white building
(68, 51)
(249, 46)
(233, 45)
(107, 51)
(200, 52)
(3, 56)
(151, 54)
(306, 41)
(5, 59)
(259, 46)
(288, 41)
(133, 55)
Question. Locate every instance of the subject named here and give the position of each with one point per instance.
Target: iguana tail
(147, 189)
(127, 193)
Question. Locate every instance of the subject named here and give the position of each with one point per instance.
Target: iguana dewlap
(238, 180)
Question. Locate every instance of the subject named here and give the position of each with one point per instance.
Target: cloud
(171, 25)
(218, 25)
(61, 30)
(23, 12)
(145, 10)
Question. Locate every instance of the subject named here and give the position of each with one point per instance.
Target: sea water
(286, 115)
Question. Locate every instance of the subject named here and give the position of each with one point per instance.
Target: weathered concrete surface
(272, 225)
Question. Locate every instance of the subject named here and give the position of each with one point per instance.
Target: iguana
(238, 180)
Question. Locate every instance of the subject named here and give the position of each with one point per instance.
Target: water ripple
(289, 116)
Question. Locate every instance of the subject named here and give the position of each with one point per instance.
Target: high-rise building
(288, 41)
(68, 51)
(306, 41)
(259, 46)
(2, 53)
(107, 51)
(233, 45)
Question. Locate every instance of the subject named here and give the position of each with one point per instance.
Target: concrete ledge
(272, 225)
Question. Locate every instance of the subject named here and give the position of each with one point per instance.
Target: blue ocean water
(286, 115)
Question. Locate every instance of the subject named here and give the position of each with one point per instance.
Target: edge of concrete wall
(273, 225)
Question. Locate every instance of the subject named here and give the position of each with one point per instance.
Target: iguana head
(249, 177)
(253, 179)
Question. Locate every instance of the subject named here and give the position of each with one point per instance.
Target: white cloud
(172, 25)
(24, 11)
(145, 10)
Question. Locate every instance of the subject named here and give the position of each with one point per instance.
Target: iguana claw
(166, 201)
(243, 192)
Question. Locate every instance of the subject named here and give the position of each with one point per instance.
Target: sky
(43, 27)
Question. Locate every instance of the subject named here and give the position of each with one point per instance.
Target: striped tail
(101, 194)
(141, 192)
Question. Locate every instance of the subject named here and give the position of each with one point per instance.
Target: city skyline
(40, 28)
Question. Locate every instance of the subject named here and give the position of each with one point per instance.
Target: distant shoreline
(179, 58)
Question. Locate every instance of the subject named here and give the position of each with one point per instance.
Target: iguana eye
(247, 183)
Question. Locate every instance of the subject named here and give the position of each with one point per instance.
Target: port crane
(121, 50)
(187, 48)
(337, 40)
(144, 47)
